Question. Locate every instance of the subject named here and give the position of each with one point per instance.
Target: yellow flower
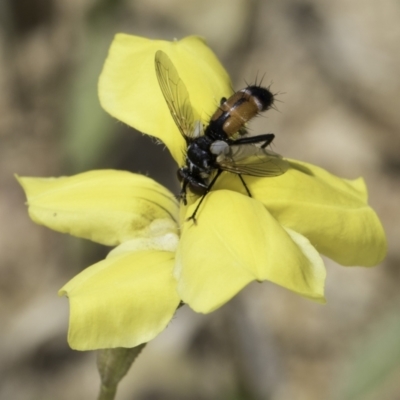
(129, 297)
(276, 235)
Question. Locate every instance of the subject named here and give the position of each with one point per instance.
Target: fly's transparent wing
(176, 95)
(249, 159)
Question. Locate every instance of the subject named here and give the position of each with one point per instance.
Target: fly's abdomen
(240, 108)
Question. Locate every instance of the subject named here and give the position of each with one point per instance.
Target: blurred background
(336, 67)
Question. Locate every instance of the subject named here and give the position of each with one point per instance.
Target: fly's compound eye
(197, 189)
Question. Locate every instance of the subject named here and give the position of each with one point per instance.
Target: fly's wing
(176, 95)
(249, 159)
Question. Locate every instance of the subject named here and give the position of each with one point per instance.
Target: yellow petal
(235, 242)
(129, 90)
(168, 242)
(331, 212)
(105, 206)
(122, 301)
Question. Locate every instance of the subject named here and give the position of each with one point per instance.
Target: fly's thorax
(199, 156)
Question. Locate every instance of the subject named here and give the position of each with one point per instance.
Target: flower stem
(113, 364)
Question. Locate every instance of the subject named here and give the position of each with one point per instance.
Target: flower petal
(129, 90)
(168, 242)
(122, 301)
(236, 241)
(331, 212)
(105, 206)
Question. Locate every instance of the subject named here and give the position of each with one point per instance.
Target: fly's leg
(245, 186)
(271, 137)
(183, 192)
(193, 216)
(267, 138)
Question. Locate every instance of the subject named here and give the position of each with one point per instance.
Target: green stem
(113, 364)
(107, 393)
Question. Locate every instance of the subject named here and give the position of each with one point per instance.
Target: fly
(224, 145)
